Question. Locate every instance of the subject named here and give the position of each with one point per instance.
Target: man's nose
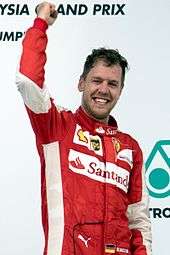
(103, 87)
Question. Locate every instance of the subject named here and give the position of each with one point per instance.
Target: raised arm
(46, 118)
(33, 57)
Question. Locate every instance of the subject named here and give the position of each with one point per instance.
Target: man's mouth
(100, 100)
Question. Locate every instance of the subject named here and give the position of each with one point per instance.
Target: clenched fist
(47, 11)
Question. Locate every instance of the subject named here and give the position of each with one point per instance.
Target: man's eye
(96, 81)
(113, 84)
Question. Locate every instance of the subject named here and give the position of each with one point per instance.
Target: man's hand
(47, 12)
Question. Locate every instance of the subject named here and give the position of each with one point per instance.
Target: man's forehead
(102, 67)
(104, 63)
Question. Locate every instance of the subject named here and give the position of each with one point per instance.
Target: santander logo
(77, 163)
(91, 167)
(109, 175)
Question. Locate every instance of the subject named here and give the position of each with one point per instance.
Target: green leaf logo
(158, 170)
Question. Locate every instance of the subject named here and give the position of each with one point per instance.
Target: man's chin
(100, 116)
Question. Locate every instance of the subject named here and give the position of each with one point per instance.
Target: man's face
(101, 89)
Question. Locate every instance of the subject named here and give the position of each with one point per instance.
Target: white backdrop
(142, 34)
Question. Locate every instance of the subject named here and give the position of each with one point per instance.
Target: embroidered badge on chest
(95, 143)
(84, 138)
(116, 144)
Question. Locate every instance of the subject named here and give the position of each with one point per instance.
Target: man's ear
(81, 85)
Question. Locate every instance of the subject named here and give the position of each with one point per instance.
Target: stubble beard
(96, 114)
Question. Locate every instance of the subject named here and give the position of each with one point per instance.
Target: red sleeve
(48, 121)
(33, 56)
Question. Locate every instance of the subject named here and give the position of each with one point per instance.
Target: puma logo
(84, 240)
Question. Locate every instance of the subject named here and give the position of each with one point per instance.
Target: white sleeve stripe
(138, 215)
(55, 202)
(35, 98)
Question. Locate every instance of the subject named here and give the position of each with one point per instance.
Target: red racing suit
(94, 200)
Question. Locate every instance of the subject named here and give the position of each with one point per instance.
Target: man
(94, 200)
